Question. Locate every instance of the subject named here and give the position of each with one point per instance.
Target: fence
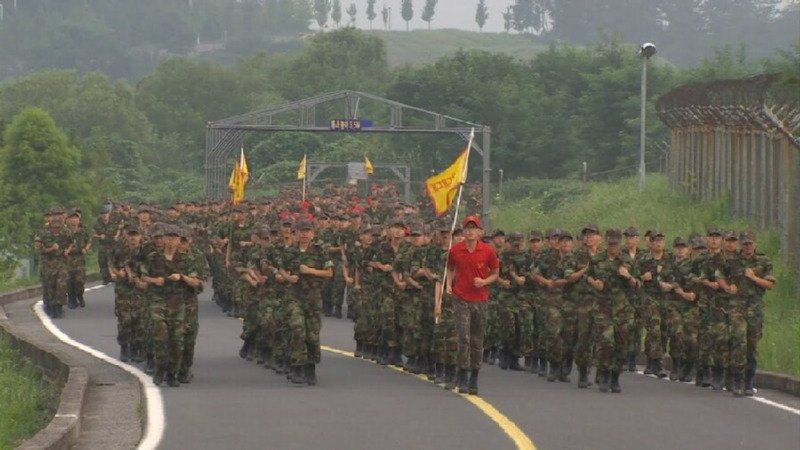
(726, 140)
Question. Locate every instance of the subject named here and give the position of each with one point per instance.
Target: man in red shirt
(472, 265)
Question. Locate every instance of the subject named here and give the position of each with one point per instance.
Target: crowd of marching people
(555, 302)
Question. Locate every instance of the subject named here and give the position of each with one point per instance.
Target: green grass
(570, 205)
(28, 400)
(422, 46)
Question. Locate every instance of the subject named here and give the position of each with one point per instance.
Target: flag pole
(440, 293)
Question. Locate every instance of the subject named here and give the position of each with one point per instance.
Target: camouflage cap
(679, 242)
(656, 234)
(132, 229)
(590, 227)
(747, 237)
(613, 236)
(698, 243)
(731, 236)
(144, 208)
(398, 223)
(551, 233)
(157, 229)
(172, 230)
(713, 230)
(416, 229)
(515, 236)
(74, 212)
(263, 232)
(535, 235)
(304, 225)
(498, 232)
(565, 235)
(631, 231)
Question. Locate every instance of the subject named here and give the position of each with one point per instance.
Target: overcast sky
(449, 14)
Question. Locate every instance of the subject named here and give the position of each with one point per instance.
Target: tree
(508, 19)
(38, 169)
(336, 12)
(482, 14)
(429, 11)
(529, 16)
(407, 11)
(352, 11)
(321, 10)
(371, 15)
(385, 16)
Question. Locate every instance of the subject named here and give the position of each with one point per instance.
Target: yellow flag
(301, 172)
(368, 166)
(239, 177)
(443, 187)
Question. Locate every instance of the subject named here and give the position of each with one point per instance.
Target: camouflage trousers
(526, 324)
(471, 326)
(251, 323)
(102, 264)
(509, 330)
(411, 321)
(691, 329)
(426, 324)
(673, 327)
(274, 332)
(540, 322)
(492, 333)
(305, 322)
(704, 356)
(728, 332)
(636, 325)
(191, 328)
(168, 317)
(656, 324)
(611, 331)
(552, 304)
(76, 278)
(54, 285)
(578, 326)
(390, 312)
(131, 316)
(755, 326)
(446, 333)
(359, 299)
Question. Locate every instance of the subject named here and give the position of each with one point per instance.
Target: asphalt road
(233, 403)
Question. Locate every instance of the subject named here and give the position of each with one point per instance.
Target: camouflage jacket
(314, 256)
(656, 267)
(607, 269)
(514, 263)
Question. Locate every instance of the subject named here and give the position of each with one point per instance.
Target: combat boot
(395, 358)
(123, 353)
(717, 374)
(296, 375)
(463, 383)
(514, 364)
(81, 301)
(429, 367)
(59, 311)
(337, 312)
(493, 356)
(615, 387)
(311, 374)
(245, 350)
(158, 376)
(528, 363)
(566, 370)
(706, 377)
(648, 370)
(251, 352)
(632, 362)
(486, 354)
(583, 377)
(450, 377)
(505, 359)
(150, 366)
(383, 355)
(280, 368)
(686, 371)
(738, 383)
(674, 373)
(555, 371)
(186, 377)
(542, 367)
(728, 380)
(137, 353)
(440, 377)
(72, 301)
(359, 353)
(473, 383)
(749, 375)
(263, 356)
(603, 380)
(534, 363)
(658, 368)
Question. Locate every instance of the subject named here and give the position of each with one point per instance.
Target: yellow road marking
(515, 433)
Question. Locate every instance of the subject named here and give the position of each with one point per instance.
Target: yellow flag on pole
(368, 166)
(443, 187)
(239, 177)
(301, 172)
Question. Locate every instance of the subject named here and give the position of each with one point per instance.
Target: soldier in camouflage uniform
(512, 278)
(105, 231)
(262, 283)
(405, 268)
(362, 291)
(445, 333)
(636, 325)
(128, 299)
(389, 307)
(654, 302)
(757, 280)
(76, 260)
(676, 279)
(492, 338)
(529, 299)
(305, 266)
(708, 264)
(56, 242)
(610, 276)
(194, 265)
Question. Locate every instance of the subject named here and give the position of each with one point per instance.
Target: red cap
(472, 219)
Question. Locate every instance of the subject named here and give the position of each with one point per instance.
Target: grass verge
(28, 400)
(570, 205)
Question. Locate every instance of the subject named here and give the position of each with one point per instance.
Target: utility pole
(646, 51)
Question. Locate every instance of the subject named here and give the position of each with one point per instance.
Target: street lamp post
(646, 51)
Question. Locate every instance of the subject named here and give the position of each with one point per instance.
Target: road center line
(515, 433)
(156, 422)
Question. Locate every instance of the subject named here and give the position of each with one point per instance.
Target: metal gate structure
(335, 112)
(731, 138)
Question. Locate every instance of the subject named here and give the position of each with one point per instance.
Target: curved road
(233, 403)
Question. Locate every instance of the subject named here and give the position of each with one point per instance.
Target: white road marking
(156, 422)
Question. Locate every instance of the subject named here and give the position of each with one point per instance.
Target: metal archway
(225, 136)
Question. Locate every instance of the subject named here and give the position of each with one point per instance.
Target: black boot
(717, 374)
(186, 376)
(137, 353)
(463, 385)
(706, 380)
(583, 377)
(514, 363)
(749, 388)
(728, 379)
(686, 371)
(738, 382)
(492, 356)
(658, 369)
(648, 370)
(674, 373)
(450, 377)
(359, 353)
(486, 354)
(430, 368)
(534, 363)
(615, 382)
(542, 367)
(158, 376)
(72, 301)
(603, 379)
(337, 312)
(81, 301)
(150, 366)
(383, 355)
(296, 375)
(555, 371)
(263, 356)
(243, 352)
(172, 380)
(632, 362)
(124, 355)
(416, 365)
(395, 358)
(505, 359)
(439, 379)
(473, 382)
(528, 363)
(566, 370)
(311, 374)
(281, 368)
